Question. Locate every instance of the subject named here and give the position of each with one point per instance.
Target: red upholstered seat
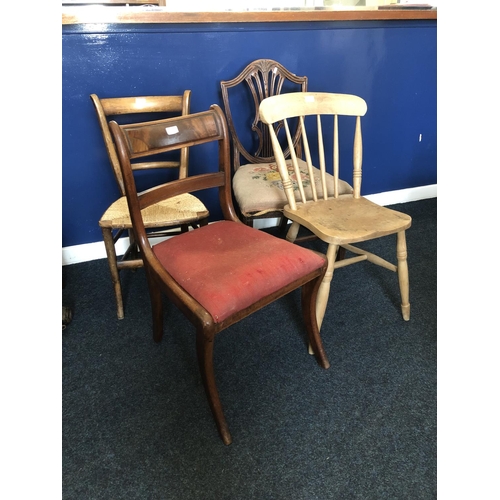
(228, 266)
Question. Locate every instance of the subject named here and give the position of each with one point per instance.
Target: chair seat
(348, 220)
(258, 188)
(228, 266)
(182, 209)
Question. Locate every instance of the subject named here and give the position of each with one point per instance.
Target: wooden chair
(341, 220)
(160, 219)
(222, 272)
(256, 183)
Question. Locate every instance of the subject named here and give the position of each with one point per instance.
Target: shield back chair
(257, 186)
(166, 218)
(342, 220)
(222, 272)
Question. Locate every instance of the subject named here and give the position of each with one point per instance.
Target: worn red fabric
(227, 266)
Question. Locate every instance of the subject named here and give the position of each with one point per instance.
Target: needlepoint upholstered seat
(257, 185)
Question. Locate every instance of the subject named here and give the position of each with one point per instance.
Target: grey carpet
(136, 423)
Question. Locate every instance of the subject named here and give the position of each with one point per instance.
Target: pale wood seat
(220, 273)
(163, 219)
(341, 220)
(257, 186)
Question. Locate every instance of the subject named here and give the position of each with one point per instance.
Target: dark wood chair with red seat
(220, 273)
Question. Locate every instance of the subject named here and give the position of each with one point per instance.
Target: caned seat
(257, 185)
(342, 220)
(162, 219)
(220, 273)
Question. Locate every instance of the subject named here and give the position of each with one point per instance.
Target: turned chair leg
(324, 288)
(293, 231)
(109, 244)
(404, 282)
(204, 349)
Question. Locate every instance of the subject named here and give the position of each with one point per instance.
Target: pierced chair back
(261, 79)
(257, 186)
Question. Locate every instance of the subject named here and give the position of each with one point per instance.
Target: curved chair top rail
(277, 108)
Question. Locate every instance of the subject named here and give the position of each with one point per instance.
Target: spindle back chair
(341, 220)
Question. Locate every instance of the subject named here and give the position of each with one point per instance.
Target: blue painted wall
(392, 65)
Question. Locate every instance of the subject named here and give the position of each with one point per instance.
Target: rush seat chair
(166, 218)
(342, 221)
(220, 273)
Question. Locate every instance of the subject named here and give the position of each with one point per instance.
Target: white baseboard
(93, 251)
(404, 195)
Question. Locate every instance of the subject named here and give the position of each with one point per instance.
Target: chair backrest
(132, 107)
(144, 139)
(299, 104)
(262, 78)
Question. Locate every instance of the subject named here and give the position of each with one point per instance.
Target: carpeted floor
(136, 423)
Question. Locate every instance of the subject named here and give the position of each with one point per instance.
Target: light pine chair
(342, 221)
(163, 219)
(256, 182)
(220, 273)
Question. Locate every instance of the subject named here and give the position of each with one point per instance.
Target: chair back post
(336, 166)
(108, 140)
(357, 159)
(184, 160)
